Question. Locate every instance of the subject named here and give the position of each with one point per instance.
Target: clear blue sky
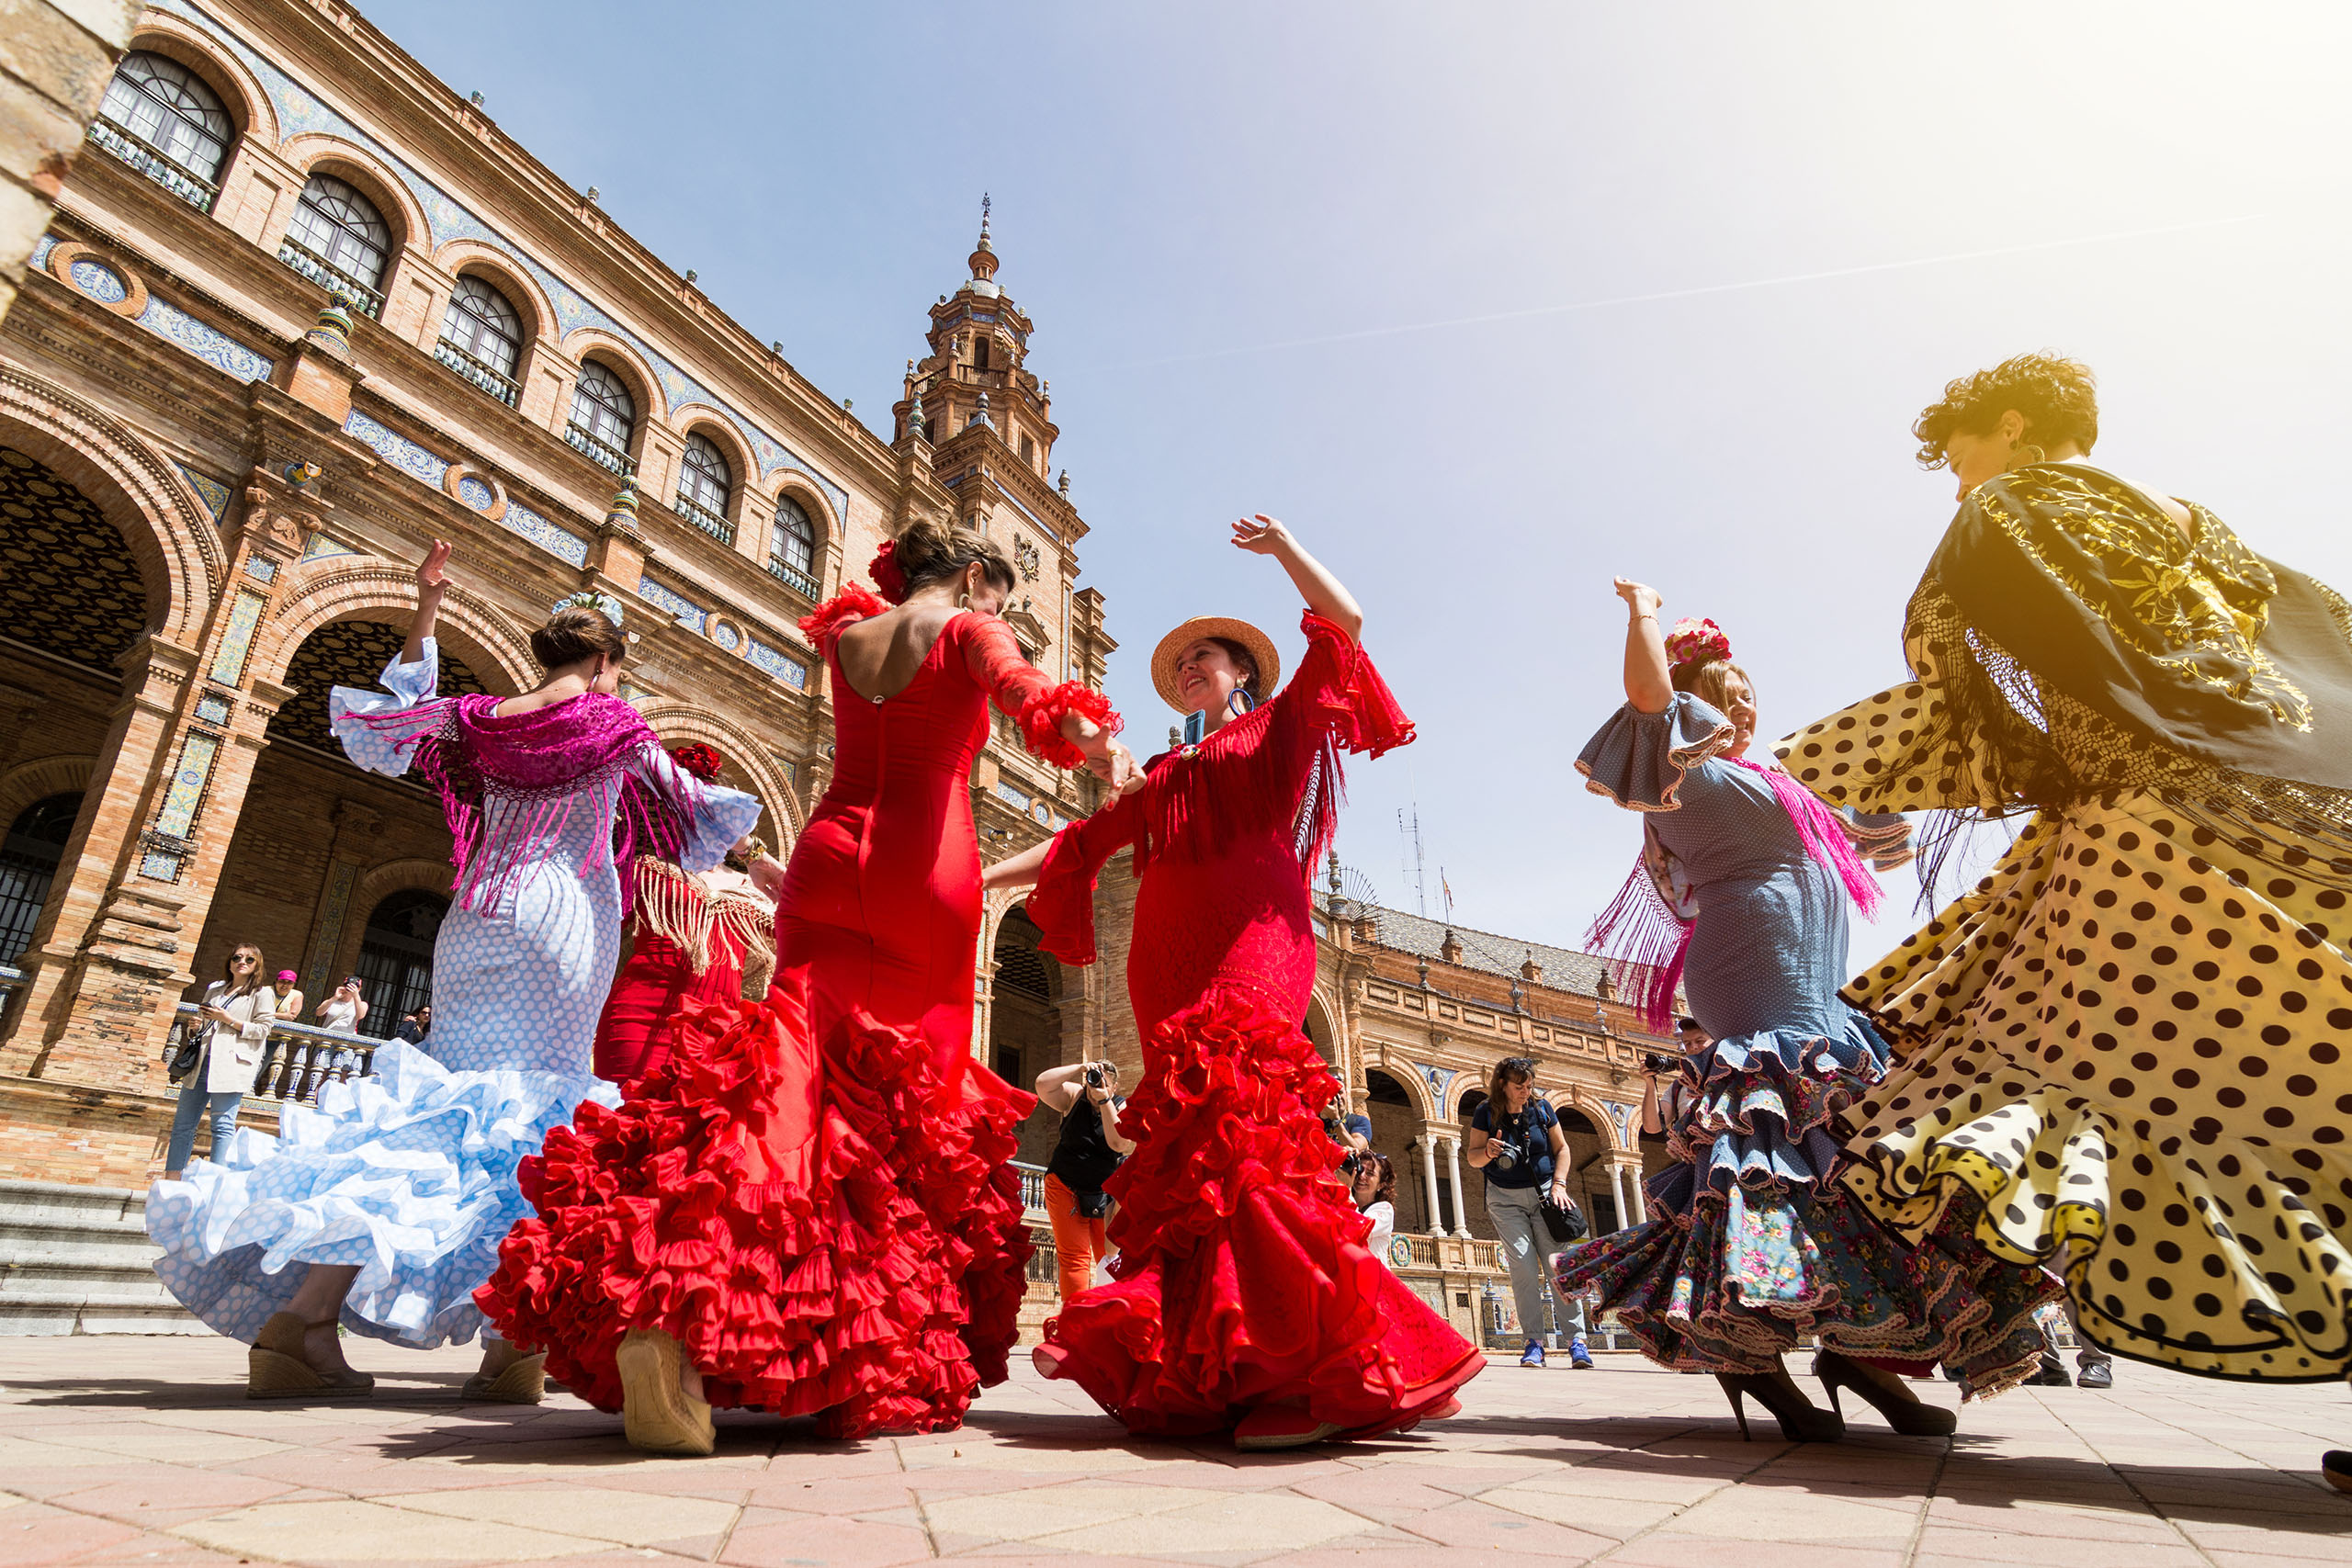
(1493, 302)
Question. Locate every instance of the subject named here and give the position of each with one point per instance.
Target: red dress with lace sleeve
(1242, 1280)
(812, 1194)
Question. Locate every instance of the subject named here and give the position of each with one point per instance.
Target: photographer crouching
(1089, 1150)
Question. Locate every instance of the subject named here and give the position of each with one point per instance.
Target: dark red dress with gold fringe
(811, 1192)
(1241, 1278)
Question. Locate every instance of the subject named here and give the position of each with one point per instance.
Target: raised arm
(1070, 724)
(432, 581)
(1324, 593)
(1647, 685)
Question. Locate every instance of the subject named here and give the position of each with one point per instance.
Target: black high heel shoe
(1801, 1421)
(1902, 1410)
(2336, 1469)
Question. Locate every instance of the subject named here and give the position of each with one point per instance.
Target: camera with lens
(1661, 1064)
(1094, 1075)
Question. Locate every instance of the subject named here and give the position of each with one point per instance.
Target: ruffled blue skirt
(409, 1176)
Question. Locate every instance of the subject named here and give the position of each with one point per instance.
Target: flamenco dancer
(695, 937)
(1244, 1298)
(2124, 1053)
(1741, 897)
(807, 1208)
(381, 1210)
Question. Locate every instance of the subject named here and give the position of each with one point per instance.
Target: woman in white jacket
(238, 1010)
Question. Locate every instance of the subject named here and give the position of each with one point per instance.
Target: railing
(11, 985)
(702, 517)
(156, 164)
(1033, 1190)
(589, 445)
(332, 278)
(298, 1062)
(501, 387)
(792, 577)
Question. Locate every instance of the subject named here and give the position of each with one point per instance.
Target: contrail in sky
(1694, 293)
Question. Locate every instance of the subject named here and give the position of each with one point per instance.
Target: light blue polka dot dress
(410, 1175)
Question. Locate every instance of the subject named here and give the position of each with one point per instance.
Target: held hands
(431, 578)
(1640, 597)
(1261, 536)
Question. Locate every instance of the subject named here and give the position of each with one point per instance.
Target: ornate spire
(983, 259)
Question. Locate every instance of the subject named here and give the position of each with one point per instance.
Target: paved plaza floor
(143, 1450)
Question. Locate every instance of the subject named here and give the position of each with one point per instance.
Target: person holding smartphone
(1089, 1150)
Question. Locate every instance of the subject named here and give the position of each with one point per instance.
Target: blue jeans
(197, 1104)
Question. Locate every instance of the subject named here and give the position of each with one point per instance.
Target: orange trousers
(1079, 1241)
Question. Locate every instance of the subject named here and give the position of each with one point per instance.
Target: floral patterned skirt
(1754, 1244)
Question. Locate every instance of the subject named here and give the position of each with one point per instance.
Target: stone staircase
(78, 1261)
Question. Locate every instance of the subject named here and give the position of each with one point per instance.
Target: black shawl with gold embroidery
(2084, 643)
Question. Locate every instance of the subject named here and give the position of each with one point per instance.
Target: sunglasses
(241, 959)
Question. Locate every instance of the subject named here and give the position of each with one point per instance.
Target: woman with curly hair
(1244, 1300)
(1740, 899)
(2123, 1053)
(807, 1207)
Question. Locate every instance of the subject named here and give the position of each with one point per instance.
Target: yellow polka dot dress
(2122, 1053)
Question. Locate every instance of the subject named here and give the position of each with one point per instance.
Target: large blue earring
(1239, 694)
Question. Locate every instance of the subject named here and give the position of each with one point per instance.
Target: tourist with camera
(1089, 1150)
(1516, 1139)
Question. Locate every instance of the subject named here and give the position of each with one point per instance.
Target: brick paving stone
(142, 1451)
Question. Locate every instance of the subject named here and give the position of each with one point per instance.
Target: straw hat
(1172, 648)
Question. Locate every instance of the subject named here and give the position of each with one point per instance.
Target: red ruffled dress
(689, 942)
(812, 1193)
(1241, 1278)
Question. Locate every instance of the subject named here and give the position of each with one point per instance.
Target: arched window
(704, 486)
(29, 862)
(339, 241)
(481, 338)
(396, 958)
(162, 119)
(604, 416)
(792, 546)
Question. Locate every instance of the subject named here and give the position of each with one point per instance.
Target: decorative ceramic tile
(195, 770)
(778, 663)
(42, 247)
(684, 611)
(157, 866)
(216, 350)
(214, 494)
(301, 112)
(99, 281)
(261, 568)
(229, 663)
(476, 495)
(320, 547)
(398, 450)
(1011, 795)
(213, 708)
(726, 636)
(330, 933)
(556, 540)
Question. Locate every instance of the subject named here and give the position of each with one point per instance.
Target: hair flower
(604, 604)
(1696, 642)
(887, 575)
(703, 761)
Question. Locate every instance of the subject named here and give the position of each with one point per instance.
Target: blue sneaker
(1579, 1356)
(1533, 1354)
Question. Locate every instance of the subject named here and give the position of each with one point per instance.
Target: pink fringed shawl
(1645, 938)
(509, 785)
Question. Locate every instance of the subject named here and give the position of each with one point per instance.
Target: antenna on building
(1415, 863)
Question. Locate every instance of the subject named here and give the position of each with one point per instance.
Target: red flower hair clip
(887, 575)
(703, 761)
(1696, 642)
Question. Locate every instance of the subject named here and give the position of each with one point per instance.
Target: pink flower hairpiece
(1696, 642)
(890, 578)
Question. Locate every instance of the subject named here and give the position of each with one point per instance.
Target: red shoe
(1051, 1361)
(1280, 1427)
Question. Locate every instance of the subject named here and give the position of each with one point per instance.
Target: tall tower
(982, 423)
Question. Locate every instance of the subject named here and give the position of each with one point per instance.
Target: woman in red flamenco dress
(693, 938)
(807, 1207)
(1244, 1298)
